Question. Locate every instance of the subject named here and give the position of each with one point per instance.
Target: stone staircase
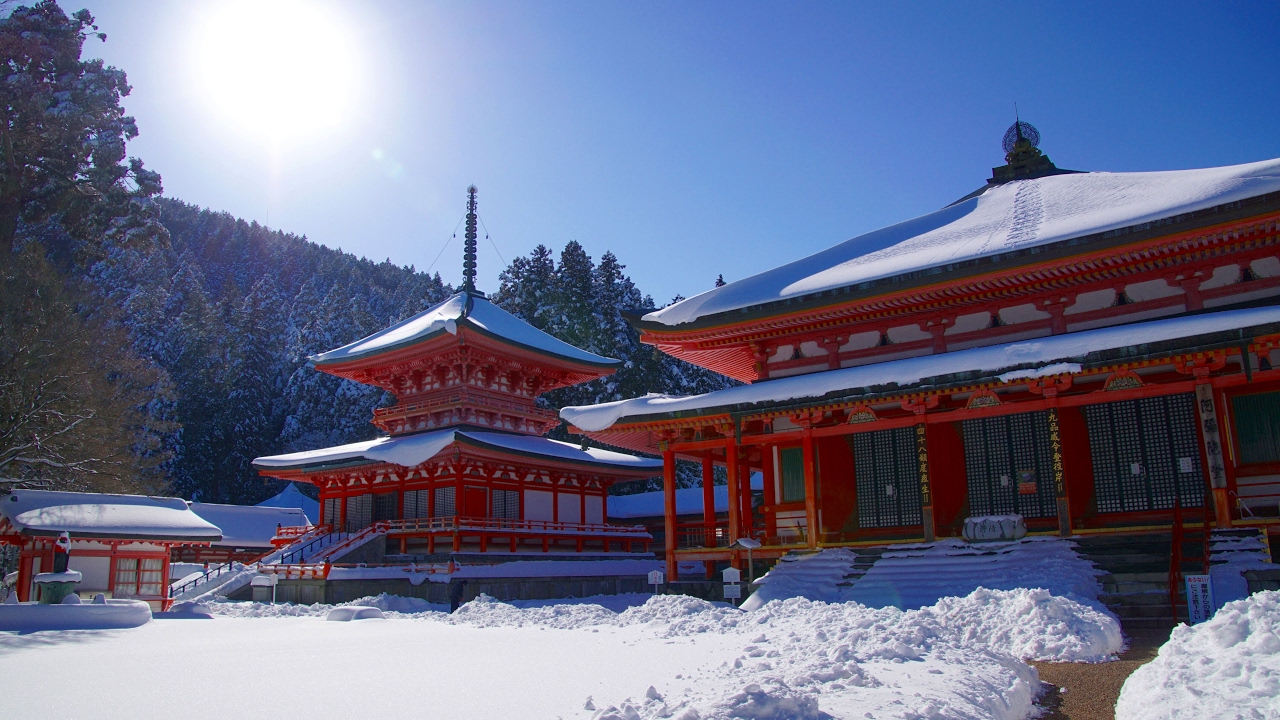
(1135, 583)
(865, 558)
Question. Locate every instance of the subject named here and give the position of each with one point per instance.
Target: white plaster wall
(861, 341)
(537, 505)
(570, 507)
(1222, 276)
(96, 572)
(1090, 301)
(595, 509)
(1021, 314)
(1266, 267)
(969, 323)
(1151, 290)
(908, 333)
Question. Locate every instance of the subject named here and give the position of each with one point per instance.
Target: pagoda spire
(469, 248)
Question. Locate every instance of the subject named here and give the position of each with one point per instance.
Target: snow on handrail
(206, 576)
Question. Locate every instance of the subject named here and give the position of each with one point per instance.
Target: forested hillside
(148, 345)
(230, 311)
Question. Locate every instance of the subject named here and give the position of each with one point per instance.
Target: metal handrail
(209, 574)
(300, 553)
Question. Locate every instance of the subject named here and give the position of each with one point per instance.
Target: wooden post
(1059, 479)
(810, 490)
(1211, 440)
(926, 484)
(744, 479)
(709, 499)
(669, 508)
(731, 463)
(770, 496)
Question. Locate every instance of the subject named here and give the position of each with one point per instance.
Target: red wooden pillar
(770, 496)
(709, 499)
(669, 509)
(810, 490)
(731, 462)
(744, 473)
(1059, 475)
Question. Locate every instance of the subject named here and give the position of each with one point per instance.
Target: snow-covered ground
(621, 658)
(1227, 668)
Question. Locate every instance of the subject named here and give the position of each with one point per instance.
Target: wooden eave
(643, 432)
(475, 449)
(499, 350)
(1162, 244)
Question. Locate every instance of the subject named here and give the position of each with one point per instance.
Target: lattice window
(1145, 454)
(792, 461)
(444, 503)
(415, 503)
(887, 477)
(332, 511)
(359, 512)
(506, 504)
(384, 506)
(1009, 465)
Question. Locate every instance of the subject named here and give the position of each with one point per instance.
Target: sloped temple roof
(1014, 216)
(413, 450)
(462, 310)
(97, 515)
(1051, 355)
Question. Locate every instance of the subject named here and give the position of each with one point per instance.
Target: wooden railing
(505, 525)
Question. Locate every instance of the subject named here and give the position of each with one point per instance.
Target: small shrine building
(120, 544)
(1093, 351)
(464, 468)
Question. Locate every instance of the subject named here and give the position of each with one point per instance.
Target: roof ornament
(469, 248)
(1022, 155)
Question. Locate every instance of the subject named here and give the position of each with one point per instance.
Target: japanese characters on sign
(1199, 598)
(1212, 438)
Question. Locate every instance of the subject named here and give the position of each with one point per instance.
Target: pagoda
(464, 460)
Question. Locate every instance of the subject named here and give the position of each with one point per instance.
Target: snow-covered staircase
(915, 575)
(225, 579)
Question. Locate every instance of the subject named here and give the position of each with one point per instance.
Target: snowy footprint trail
(670, 657)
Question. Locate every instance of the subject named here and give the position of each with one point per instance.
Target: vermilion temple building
(1088, 350)
(464, 467)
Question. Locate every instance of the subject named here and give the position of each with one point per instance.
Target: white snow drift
(1225, 669)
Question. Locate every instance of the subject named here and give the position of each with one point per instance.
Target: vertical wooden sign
(1211, 435)
(926, 486)
(1059, 480)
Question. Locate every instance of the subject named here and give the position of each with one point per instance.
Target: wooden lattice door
(1145, 454)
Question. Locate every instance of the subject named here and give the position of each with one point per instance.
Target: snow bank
(1224, 669)
(105, 615)
(1231, 557)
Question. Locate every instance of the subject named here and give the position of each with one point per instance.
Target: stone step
(1156, 576)
(1135, 588)
(1125, 612)
(1147, 598)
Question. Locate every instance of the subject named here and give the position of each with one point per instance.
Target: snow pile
(1226, 668)
(1030, 624)
(809, 659)
(1230, 558)
(914, 576)
(392, 605)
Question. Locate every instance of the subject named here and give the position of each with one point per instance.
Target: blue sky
(691, 139)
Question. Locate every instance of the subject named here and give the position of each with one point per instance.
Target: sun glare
(282, 70)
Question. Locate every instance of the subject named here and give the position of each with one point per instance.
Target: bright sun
(284, 70)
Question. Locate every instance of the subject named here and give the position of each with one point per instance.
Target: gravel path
(1088, 691)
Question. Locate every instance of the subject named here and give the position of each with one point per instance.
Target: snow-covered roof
(1008, 217)
(292, 497)
(413, 450)
(248, 525)
(96, 515)
(688, 501)
(465, 310)
(1029, 358)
